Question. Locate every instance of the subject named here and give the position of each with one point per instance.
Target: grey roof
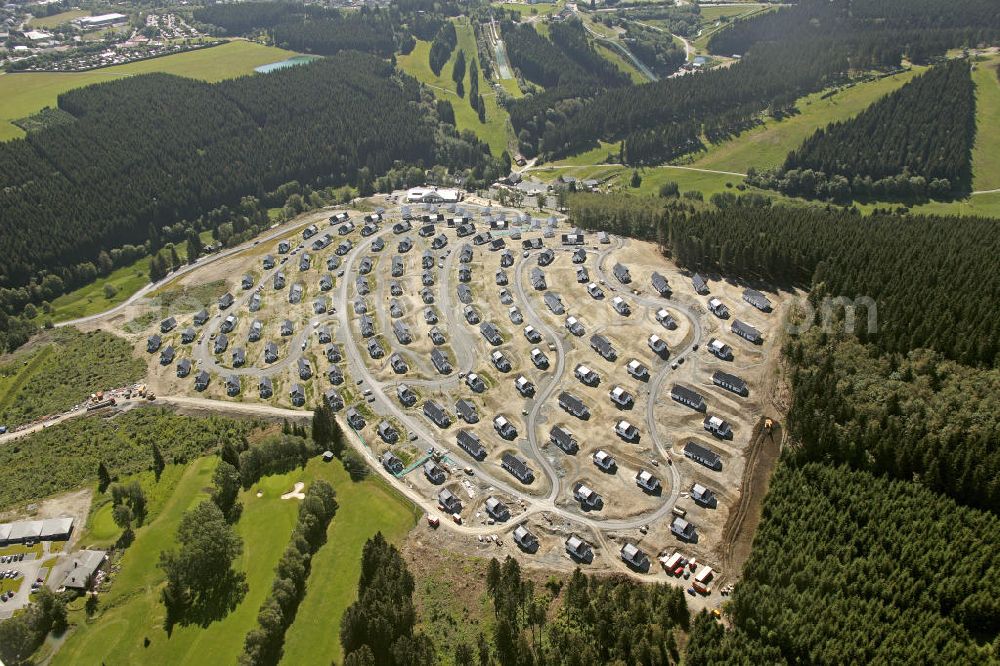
(744, 329)
(82, 566)
(702, 454)
(726, 379)
(691, 397)
(517, 466)
(471, 443)
(699, 283)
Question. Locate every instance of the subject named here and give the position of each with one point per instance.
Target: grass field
(365, 508)
(57, 19)
(541, 8)
(90, 299)
(986, 152)
(495, 131)
(620, 62)
(24, 94)
(131, 612)
(767, 145)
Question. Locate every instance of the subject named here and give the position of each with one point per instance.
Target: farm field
(416, 63)
(132, 611)
(27, 93)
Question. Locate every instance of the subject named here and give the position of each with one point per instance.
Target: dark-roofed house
(402, 332)
(637, 370)
(367, 326)
(184, 367)
(703, 455)
(699, 284)
(167, 355)
(325, 336)
(387, 432)
(168, 324)
(546, 257)
(525, 539)
(720, 349)
(518, 467)
(582, 275)
(255, 302)
(622, 274)
(287, 327)
(279, 280)
(188, 335)
(686, 396)
(448, 502)
(491, 333)
(354, 419)
(466, 410)
(221, 343)
(471, 444)
(201, 380)
(573, 405)
(153, 343)
(440, 361)
(305, 261)
(268, 262)
(270, 352)
(464, 294)
(239, 357)
(660, 284)
(334, 375)
(757, 299)
(397, 363)
(538, 278)
(436, 413)
(305, 368)
(247, 281)
(564, 439)
(587, 496)
(326, 282)
(439, 242)
(295, 293)
(201, 317)
(603, 346)
(497, 509)
(730, 382)
(504, 427)
(256, 330)
(226, 300)
(554, 303)
(434, 473)
(232, 385)
(746, 331)
(265, 387)
(391, 463)
(375, 349)
(297, 395)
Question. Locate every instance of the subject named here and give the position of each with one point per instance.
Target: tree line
(565, 59)
(913, 143)
(851, 568)
(378, 628)
(444, 43)
(264, 643)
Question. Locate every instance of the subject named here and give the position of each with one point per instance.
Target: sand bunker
(296, 493)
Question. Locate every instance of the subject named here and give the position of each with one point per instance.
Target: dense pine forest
(565, 60)
(914, 143)
(786, 54)
(847, 568)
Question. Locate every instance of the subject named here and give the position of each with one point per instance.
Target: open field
(365, 508)
(767, 145)
(986, 151)
(25, 94)
(495, 130)
(618, 61)
(58, 19)
(541, 8)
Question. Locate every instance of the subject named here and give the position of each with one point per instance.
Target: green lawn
(986, 152)
(24, 94)
(57, 19)
(365, 508)
(131, 612)
(593, 156)
(495, 131)
(767, 145)
(90, 299)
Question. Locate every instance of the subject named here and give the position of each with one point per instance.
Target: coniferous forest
(913, 143)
